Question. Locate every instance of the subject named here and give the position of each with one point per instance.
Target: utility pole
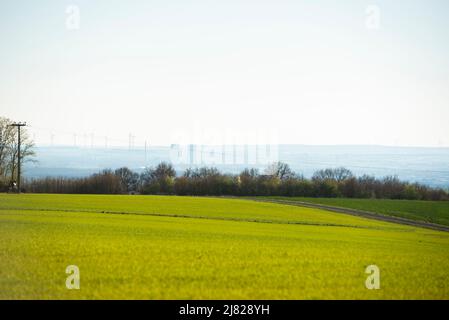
(18, 125)
(246, 154)
(223, 153)
(91, 140)
(85, 140)
(146, 159)
(131, 141)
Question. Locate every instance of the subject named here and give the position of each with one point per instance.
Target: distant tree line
(277, 180)
(9, 154)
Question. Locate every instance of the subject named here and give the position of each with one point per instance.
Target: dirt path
(360, 213)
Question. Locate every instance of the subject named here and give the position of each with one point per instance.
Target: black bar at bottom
(232, 309)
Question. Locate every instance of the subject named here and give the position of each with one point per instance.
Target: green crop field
(166, 247)
(428, 211)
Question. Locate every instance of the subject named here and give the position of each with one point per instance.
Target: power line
(70, 136)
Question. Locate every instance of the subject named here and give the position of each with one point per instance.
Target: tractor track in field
(168, 215)
(359, 213)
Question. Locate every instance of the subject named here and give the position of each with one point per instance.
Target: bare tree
(329, 174)
(9, 150)
(128, 179)
(6, 141)
(280, 170)
(341, 174)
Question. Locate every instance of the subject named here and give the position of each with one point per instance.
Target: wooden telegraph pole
(18, 125)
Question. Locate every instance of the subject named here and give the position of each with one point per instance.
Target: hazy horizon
(424, 165)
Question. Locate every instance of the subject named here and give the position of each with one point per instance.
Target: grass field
(428, 211)
(156, 247)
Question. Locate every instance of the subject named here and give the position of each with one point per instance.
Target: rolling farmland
(167, 247)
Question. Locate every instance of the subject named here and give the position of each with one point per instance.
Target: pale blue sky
(310, 71)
